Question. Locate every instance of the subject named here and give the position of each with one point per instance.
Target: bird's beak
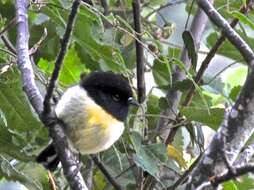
(132, 101)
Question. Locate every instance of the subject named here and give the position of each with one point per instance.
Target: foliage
(105, 42)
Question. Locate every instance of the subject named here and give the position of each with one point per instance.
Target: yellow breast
(97, 116)
(98, 132)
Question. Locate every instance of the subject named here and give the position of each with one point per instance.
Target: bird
(93, 114)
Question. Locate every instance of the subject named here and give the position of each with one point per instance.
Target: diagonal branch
(60, 57)
(8, 26)
(8, 44)
(216, 180)
(106, 173)
(24, 63)
(246, 155)
(238, 125)
(227, 30)
(238, 171)
(56, 129)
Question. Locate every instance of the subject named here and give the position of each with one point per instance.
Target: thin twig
(8, 52)
(88, 175)
(221, 71)
(204, 185)
(104, 4)
(139, 51)
(60, 57)
(245, 156)
(140, 67)
(185, 174)
(164, 6)
(52, 181)
(38, 44)
(6, 41)
(12, 22)
(125, 31)
(8, 44)
(124, 171)
(106, 173)
(189, 13)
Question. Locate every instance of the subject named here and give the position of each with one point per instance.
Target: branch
(231, 35)
(239, 171)
(210, 55)
(69, 162)
(245, 155)
(238, 125)
(88, 173)
(24, 63)
(8, 44)
(8, 26)
(6, 41)
(139, 51)
(104, 4)
(164, 6)
(55, 129)
(105, 173)
(60, 57)
(173, 96)
(216, 180)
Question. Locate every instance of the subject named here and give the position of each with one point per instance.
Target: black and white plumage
(93, 112)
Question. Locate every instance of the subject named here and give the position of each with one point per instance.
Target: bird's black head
(109, 90)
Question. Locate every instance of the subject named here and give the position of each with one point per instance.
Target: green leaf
(136, 140)
(87, 31)
(23, 126)
(153, 109)
(156, 2)
(99, 181)
(163, 103)
(179, 139)
(244, 2)
(243, 18)
(227, 49)
(182, 85)
(131, 186)
(229, 185)
(150, 157)
(181, 65)
(190, 45)
(158, 150)
(162, 72)
(245, 182)
(241, 73)
(234, 92)
(71, 69)
(174, 52)
(202, 115)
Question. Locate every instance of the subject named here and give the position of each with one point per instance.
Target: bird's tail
(48, 158)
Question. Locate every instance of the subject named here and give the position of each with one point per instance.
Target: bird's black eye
(116, 97)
